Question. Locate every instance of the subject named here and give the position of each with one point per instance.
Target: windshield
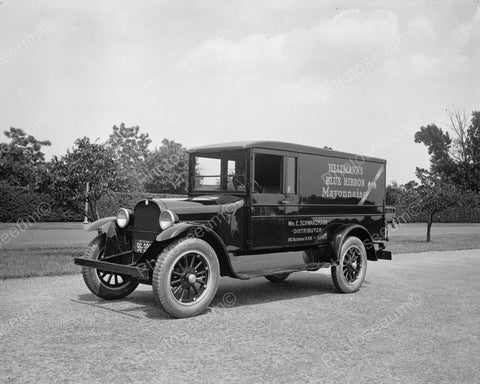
(219, 172)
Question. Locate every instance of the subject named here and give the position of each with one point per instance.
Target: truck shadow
(231, 294)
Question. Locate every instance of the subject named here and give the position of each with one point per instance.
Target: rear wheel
(185, 278)
(107, 285)
(349, 273)
(277, 278)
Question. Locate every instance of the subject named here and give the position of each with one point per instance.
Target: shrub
(18, 203)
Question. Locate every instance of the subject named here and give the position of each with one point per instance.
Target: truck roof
(281, 146)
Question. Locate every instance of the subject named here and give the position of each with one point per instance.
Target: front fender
(98, 224)
(337, 238)
(174, 231)
(206, 234)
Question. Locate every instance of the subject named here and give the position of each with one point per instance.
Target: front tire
(349, 273)
(106, 285)
(185, 278)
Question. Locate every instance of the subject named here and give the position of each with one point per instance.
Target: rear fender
(338, 237)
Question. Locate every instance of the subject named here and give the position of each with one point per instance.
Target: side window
(207, 173)
(268, 173)
(291, 175)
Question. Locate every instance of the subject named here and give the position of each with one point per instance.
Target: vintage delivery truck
(253, 209)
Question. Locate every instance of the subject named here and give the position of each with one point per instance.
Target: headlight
(123, 217)
(167, 219)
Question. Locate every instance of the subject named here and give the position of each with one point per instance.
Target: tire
(277, 278)
(106, 285)
(185, 278)
(349, 273)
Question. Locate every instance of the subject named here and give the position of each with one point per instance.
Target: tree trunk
(92, 204)
(429, 225)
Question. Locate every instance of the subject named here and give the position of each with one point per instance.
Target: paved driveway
(415, 320)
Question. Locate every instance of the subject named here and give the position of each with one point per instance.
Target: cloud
(318, 52)
(421, 64)
(468, 32)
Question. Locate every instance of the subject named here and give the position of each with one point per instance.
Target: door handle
(285, 201)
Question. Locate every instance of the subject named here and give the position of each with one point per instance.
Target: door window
(268, 173)
(291, 175)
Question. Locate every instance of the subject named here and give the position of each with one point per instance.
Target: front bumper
(132, 270)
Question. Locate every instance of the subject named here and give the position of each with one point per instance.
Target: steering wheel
(239, 186)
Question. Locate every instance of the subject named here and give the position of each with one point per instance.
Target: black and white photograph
(219, 191)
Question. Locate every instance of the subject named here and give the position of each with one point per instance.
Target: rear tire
(106, 285)
(185, 278)
(277, 278)
(349, 273)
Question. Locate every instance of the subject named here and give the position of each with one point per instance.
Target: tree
(395, 194)
(21, 158)
(456, 158)
(66, 178)
(166, 169)
(130, 150)
(438, 144)
(473, 148)
(431, 196)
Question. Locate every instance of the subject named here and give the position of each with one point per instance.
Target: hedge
(18, 203)
(108, 205)
(21, 203)
(449, 215)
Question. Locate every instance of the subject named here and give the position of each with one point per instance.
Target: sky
(357, 76)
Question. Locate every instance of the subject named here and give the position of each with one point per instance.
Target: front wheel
(185, 278)
(107, 285)
(349, 273)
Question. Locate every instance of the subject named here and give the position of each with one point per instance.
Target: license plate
(141, 246)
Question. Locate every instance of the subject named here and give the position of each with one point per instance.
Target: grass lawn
(50, 261)
(416, 243)
(31, 262)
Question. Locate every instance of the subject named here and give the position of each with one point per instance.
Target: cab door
(274, 192)
(267, 207)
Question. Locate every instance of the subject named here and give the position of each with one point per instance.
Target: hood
(201, 204)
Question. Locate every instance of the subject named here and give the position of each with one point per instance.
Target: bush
(17, 203)
(449, 215)
(108, 205)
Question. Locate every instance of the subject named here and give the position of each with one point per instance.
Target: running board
(308, 267)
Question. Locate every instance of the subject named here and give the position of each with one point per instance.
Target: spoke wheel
(107, 285)
(349, 272)
(185, 278)
(189, 277)
(352, 264)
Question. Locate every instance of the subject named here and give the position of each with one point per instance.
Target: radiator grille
(146, 217)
